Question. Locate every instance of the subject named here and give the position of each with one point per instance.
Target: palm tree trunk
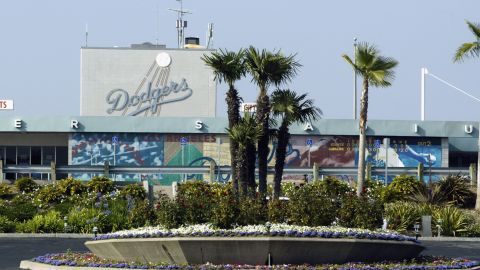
(362, 138)
(251, 159)
(242, 171)
(477, 202)
(280, 153)
(233, 106)
(263, 116)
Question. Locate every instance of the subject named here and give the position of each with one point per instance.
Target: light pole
(354, 79)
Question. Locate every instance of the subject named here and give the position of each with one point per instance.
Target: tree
(229, 67)
(290, 108)
(267, 68)
(375, 70)
(244, 133)
(471, 49)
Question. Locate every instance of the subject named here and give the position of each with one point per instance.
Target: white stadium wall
(146, 82)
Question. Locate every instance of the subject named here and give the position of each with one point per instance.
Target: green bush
(402, 216)
(277, 211)
(135, 191)
(363, 212)
(51, 222)
(167, 212)
(6, 225)
(401, 188)
(100, 184)
(195, 201)
(82, 220)
(456, 189)
(225, 208)
(18, 209)
(26, 184)
(49, 194)
(451, 220)
(6, 191)
(310, 206)
(251, 211)
(70, 186)
(141, 215)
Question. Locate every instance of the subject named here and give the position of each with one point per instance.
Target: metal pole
(309, 155)
(422, 94)
(183, 160)
(354, 80)
(386, 142)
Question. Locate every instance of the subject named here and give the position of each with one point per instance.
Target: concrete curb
(450, 239)
(46, 235)
(40, 266)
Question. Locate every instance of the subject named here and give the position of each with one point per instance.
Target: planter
(253, 250)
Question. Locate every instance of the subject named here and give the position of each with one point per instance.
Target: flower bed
(89, 260)
(206, 230)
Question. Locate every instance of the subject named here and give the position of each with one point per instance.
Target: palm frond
(469, 49)
(474, 28)
(292, 107)
(227, 66)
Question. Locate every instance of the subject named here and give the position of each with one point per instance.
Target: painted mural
(199, 149)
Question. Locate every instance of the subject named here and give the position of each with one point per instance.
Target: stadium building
(149, 106)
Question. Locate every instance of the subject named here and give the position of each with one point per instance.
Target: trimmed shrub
(167, 212)
(100, 184)
(310, 206)
(135, 191)
(363, 212)
(70, 186)
(141, 215)
(6, 191)
(402, 216)
(277, 211)
(195, 202)
(51, 222)
(6, 225)
(26, 184)
(18, 209)
(49, 194)
(82, 220)
(225, 208)
(251, 211)
(401, 188)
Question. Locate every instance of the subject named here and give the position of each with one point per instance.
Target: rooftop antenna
(86, 35)
(181, 24)
(210, 36)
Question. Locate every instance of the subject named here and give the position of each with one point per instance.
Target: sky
(41, 40)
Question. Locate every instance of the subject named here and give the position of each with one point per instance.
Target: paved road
(13, 250)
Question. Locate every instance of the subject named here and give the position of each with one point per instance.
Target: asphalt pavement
(15, 249)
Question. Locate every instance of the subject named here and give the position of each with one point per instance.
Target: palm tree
(290, 108)
(229, 67)
(471, 49)
(267, 68)
(244, 133)
(378, 71)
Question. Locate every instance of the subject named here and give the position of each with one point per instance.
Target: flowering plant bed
(90, 260)
(283, 230)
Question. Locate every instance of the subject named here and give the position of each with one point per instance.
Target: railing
(213, 171)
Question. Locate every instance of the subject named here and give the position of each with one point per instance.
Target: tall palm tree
(378, 71)
(267, 68)
(471, 49)
(230, 67)
(244, 133)
(290, 108)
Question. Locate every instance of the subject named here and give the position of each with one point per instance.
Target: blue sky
(41, 40)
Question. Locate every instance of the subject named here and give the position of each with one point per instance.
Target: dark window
(23, 155)
(48, 155)
(62, 159)
(11, 155)
(36, 156)
(62, 155)
(2, 154)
